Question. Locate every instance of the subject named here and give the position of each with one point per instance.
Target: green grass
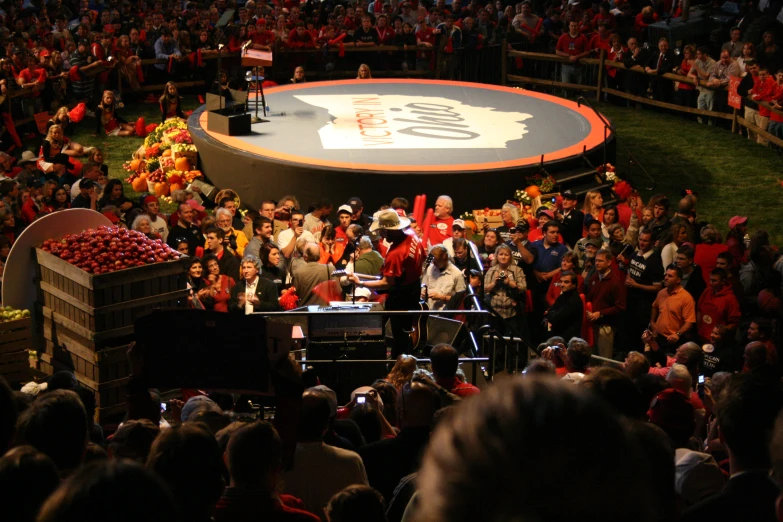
(732, 175)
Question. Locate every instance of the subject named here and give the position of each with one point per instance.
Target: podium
(257, 59)
(226, 114)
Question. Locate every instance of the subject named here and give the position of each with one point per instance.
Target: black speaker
(443, 330)
(351, 349)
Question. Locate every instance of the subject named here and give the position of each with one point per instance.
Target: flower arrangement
(523, 197)
(545, 184)
(608, 172)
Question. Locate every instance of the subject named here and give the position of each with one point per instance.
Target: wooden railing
(599, 88)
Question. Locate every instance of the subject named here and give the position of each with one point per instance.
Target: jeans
(776, 129)
(706, 102)
(571, 74)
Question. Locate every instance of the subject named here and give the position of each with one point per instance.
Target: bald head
(755, 355)
(312, 252)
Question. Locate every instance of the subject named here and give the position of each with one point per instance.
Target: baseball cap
(568, 194)
(523, 225)
(543, 211)
(345, 208)
(597, 243)
(458, 223)
(149, 199)
(194, 205)
(196, 404)
(356, 204)
(737, 220)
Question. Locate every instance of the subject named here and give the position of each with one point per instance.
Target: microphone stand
(355, 257)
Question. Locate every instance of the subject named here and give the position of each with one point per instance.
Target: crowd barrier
(547, 68)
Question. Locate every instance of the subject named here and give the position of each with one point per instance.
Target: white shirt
(447, 282)
(250, 290)
(287, 235)
(158, 225)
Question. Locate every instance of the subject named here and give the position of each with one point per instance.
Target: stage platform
(378, 139)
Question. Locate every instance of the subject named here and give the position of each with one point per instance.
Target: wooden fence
(599, 88)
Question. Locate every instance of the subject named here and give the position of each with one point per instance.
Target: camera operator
(575, 359)
(288, 237)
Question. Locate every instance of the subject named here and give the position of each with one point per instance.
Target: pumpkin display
(162, 189)
(182, 164)
(140, 183)
(166, 153)
(176, 186)
(533, 191)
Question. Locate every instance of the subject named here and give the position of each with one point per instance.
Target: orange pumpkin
(166, 153)
(176, 186)
(533, 191)
(140, 184)
(135, 165)
(471, 225)
(182, 164)
(162, 189)
(194, 174)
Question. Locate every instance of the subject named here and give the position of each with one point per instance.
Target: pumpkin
(166, 153)
(533, 191)
(194, 174)
(176, 186)
(140, 184)
(182, 164)
(162, 189)
(471, 225)
(175, 179)
(136, 164)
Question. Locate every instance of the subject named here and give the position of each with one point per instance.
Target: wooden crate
(480, 218)
(111, 302)
(107, 394)
(16, 338)
(99, 367)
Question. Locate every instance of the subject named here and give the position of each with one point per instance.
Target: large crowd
(679, 423)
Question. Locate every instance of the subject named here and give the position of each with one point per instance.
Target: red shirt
(716, 309)
(778, 97)
(39, 75)
(404, 259)
(706, 256)
(440, 230)
(764, 91)
(457, 387)
(572, 46)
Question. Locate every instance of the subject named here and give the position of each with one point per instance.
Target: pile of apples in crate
(108, 249)
(8, 313)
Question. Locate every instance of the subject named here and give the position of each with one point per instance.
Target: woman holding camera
(504, 288)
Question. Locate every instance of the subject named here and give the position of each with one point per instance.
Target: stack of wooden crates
(88, 320)
(16, 338)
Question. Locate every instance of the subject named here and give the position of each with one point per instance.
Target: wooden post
(734, 121)
(601, 68)
(503, 62)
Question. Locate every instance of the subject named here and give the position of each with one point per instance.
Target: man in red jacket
(717, 306)
(605, 291)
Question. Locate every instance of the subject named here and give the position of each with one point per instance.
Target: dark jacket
(229, 265)
(192, 234)
(266, 291)
(571, 227)
(565, 315)
(388, 461)
(749, 497)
